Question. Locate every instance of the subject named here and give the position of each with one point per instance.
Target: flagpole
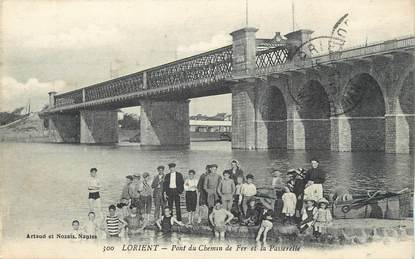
(246, 13)
(292, 13)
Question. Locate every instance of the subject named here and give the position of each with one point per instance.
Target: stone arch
(373, 69)
(313, 107)
(363, 105)
(272, 119)
(405, 120)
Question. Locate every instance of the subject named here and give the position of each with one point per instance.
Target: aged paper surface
(206, 128)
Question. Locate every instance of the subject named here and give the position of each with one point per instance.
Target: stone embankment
(342, 231)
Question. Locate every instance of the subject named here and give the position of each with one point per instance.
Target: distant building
(223, 116)
(210, 126)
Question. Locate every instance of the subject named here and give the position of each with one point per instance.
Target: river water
(44, 186)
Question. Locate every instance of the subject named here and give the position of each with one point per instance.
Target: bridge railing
(349, 53)
(271, 57)
(208, 67)
(72, 97)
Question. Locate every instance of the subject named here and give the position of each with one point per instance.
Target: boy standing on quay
(210, 186)
(219, 218)
(248, 191)
(157, 185)
(190, 187)
(94, 186)
(203, 210)
(145, 197)
(226, 189)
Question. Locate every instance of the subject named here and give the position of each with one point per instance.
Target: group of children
(225, 199)
(299, 202)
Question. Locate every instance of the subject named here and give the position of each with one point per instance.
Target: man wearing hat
(314, 179)
(173, 187)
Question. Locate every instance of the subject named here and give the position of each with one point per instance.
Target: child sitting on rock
(252, 214)
(307, 215)
(166, 222)
(323, 218)
(266, 225)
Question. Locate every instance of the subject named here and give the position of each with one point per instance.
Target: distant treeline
(129, 122)
(8, 117)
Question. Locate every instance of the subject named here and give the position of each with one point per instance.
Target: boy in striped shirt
(113, 224)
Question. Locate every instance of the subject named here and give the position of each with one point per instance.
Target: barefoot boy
(219, 218)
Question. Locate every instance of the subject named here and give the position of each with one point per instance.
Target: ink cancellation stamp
(153, 129)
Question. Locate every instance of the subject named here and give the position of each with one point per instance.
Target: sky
(68, 44)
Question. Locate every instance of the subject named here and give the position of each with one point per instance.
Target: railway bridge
(284, 96)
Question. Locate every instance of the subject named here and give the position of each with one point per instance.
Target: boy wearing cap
(248, 191)
(173, 187)
(210, 185)
(157, 185)
(145, 197)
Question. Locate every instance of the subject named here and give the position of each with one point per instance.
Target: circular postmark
(332, 45)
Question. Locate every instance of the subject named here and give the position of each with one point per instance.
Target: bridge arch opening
(273, 112)
(405, 120)
(313, 107)
(364, 108)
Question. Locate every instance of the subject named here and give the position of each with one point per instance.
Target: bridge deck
(206, 74)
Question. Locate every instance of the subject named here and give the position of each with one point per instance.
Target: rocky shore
(342, 231)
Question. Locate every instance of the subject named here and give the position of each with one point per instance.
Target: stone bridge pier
(83, 126)
(165, 123)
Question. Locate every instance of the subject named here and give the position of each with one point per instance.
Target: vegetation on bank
(8, 117)
(129, 122)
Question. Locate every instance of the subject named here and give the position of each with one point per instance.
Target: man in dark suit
(173, 187)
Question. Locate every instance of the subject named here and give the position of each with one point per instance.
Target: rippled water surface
(44, 186)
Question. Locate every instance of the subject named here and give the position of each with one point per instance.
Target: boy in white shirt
(94, 186)
(248, 191)
(190, 188)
